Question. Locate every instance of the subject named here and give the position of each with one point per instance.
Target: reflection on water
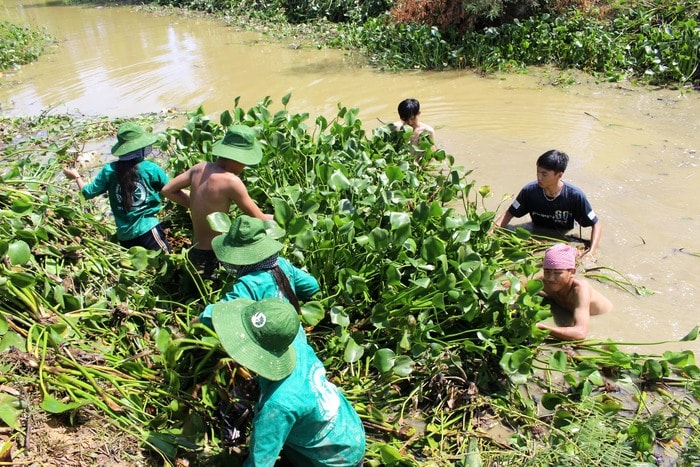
(633, 150)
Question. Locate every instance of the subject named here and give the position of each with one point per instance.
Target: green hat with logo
(258, 334)
(130, 138)
(246, 242)
(239, 144)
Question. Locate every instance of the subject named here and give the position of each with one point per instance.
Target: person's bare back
(214, 186)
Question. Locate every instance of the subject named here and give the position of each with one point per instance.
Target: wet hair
(553, 160)
(127, 176)
(408, 108)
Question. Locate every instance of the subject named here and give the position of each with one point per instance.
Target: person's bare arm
(173, 190)
(74, 175)
(504, 220)
(596, 232)
(240, 196)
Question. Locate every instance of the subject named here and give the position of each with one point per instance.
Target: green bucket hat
(239, 144)
(245, 243)
(131, 137)
(258, 334)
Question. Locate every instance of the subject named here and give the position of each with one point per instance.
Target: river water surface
(634, 151)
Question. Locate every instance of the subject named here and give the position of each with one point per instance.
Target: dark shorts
(204, 262)
(154, 239)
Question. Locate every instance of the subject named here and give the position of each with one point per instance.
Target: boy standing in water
(409, 111)
(214, 186)
(553, 204)
(573, 295)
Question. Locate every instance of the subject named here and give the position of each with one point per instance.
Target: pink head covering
(560, 256)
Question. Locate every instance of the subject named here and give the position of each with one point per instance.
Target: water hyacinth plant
(425, 316)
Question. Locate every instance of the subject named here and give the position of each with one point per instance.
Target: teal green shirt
(261, 284)
(307, 416)
(146, 201)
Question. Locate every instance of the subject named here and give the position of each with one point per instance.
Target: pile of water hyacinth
(425, 317)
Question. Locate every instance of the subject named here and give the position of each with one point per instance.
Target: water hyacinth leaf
(274, 230)
(399, 220)
(558, 360)
(162, 339)
(21, 279)
(297, 226)
(534, 287)
(353, 351)
(12, 339)
(22, 205)
(691, 336)
(682, 359)
(163, 443)
(390, 455)
(9, 412)
(19, 252)
(226, 119)
(403, 366)
(219, 222)
(3, 325)
(378, 239)
(338, 181)
(691, 370)
(139, 258)
(432, 248)
(551, 400)
(283, 212)
(339, 317)
(52, 405)
(384, 360)
(285, 99)
(596, 378)
(642, 436)
(394, 173)
(312, 313)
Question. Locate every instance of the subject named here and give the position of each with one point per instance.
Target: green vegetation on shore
(422, 318)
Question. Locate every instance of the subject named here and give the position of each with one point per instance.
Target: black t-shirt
(560, 213)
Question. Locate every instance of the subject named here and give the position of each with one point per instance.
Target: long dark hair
(127, 176)
(284, 285)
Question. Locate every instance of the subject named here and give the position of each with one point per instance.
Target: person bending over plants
(214, 186)
(300, 415)
(133, 186)
(577, 299)
(252, 258)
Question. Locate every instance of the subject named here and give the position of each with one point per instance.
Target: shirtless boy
(409, 111)
(213, 187)
(574, 295)
(554, 205)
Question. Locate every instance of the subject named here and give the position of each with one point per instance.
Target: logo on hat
(258, 320)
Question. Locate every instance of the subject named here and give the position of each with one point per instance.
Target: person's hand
(71, 173)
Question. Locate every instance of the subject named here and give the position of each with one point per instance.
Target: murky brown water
(634, 151)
